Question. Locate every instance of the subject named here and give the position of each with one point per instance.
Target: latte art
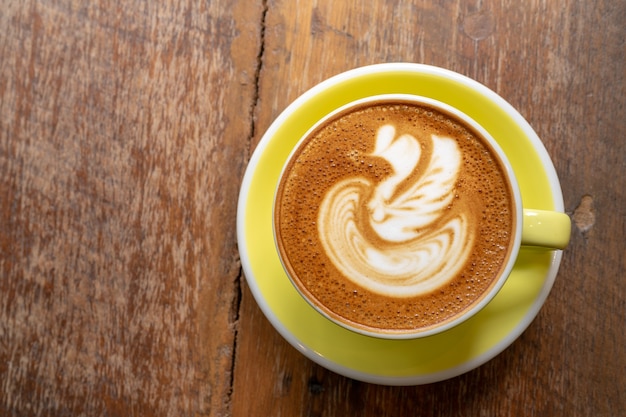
(423, 247)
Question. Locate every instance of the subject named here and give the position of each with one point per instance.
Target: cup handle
(546, 229)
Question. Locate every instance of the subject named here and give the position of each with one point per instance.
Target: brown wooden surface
(125, 129)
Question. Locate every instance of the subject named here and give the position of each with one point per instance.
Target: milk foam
(420, 247)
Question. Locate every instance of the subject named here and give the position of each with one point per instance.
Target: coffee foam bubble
(417, 246)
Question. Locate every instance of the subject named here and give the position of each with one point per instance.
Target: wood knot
(315, 386)
(584, 216)
(478, 25)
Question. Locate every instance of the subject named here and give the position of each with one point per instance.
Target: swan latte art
(394, 216)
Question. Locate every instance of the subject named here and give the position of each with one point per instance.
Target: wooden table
(125, 130)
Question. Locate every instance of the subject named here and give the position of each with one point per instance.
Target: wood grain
(124, 132)
(125, 129)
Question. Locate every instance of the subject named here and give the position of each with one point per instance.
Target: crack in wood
(236, 303)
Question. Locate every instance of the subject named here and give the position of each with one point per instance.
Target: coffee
(394, 216)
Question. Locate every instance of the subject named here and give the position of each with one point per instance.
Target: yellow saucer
(397, 362)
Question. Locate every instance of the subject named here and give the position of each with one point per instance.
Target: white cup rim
(515, 241)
